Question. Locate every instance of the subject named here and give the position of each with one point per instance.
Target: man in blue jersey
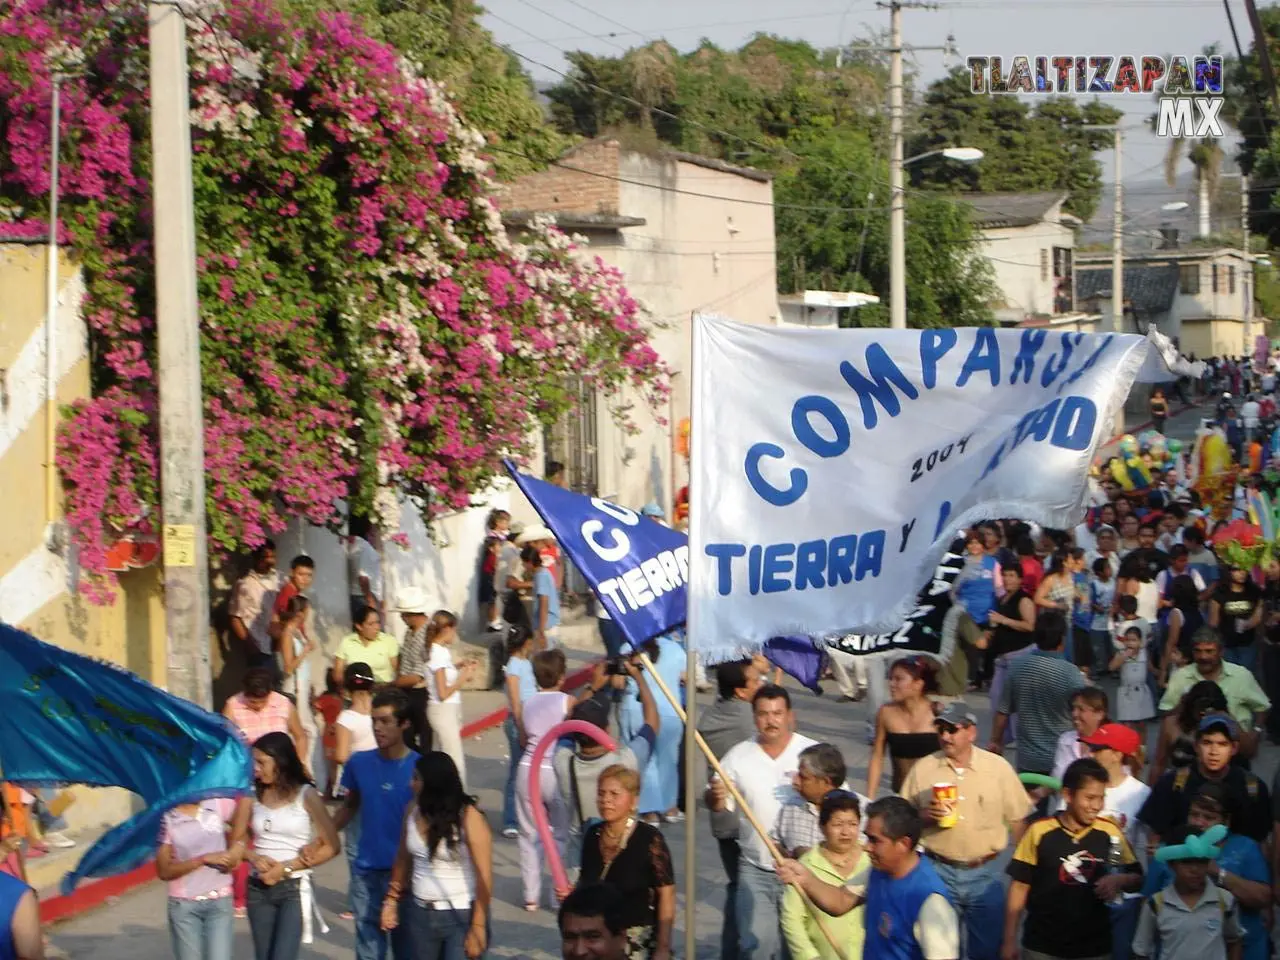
(908, 915)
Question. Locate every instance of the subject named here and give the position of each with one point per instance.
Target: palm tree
(1205, 154)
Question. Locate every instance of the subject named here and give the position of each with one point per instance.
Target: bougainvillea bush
(368, 328)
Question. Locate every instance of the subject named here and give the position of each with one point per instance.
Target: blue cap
(1223, 720)
(651, 509)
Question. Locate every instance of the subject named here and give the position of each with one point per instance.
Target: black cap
(594, 712)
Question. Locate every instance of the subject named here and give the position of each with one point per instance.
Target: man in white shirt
(1249, 413)
(762, 769)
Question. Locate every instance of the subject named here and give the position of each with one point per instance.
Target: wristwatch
(288, 871)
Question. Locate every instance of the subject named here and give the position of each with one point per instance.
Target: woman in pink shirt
(194, 858)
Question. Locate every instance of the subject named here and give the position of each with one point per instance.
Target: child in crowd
(520, 685)
(327, 706)
(1191, 918)
(1135, 704)
(496, 528)
(1102, 596)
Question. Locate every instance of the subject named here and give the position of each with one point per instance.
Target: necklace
(613, 844)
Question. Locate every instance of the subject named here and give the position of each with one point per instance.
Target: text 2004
(926, 464)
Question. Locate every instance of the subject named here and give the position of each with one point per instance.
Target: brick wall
(569, 191)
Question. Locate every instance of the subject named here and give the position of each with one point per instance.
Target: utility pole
(186, 568)
(898, 199)
(1247, 272)
(1117, 246)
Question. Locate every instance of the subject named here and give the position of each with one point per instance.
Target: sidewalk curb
(94, 894)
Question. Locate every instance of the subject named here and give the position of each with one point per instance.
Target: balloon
(1040, 780)
(1173, 445)
(1128, 445)
(1202, 847)
(549, 739)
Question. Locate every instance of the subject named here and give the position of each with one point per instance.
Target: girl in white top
(540, 713)
(284, 818)
(442, 880)
(444, 687)
(293, 650)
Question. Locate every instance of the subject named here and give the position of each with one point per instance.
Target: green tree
(1027, 148)
(1250, 108)
(784, 106)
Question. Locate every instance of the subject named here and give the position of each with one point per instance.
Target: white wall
(1015, 256)
(693, 253)
(445, 570)
(792, 314)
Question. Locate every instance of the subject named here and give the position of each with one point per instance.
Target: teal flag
(68, 718)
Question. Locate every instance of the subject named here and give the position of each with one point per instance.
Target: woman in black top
(632, 856)
(1236, 610)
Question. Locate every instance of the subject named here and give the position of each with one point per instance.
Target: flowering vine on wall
(368, 328)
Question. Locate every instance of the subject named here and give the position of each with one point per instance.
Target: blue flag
(640, 569)
(68, 718)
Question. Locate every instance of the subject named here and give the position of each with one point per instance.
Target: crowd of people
(1130, 666)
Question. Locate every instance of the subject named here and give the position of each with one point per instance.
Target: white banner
(832, 468)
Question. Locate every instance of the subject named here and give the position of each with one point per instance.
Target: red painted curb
(96, 893)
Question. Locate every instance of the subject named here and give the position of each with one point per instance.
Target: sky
(541, 30)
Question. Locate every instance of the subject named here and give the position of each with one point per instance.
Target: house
(1030, 243)
(689, 233)
(1197, 297)
(39, 576)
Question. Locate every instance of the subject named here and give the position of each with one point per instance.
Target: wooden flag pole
(743, 808)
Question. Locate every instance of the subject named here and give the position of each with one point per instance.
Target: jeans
(201, 929)
(1103, 650)
(1246, 657)
(977, 893)
(611, 636)
(509, 821)
(758, 910)
(275, 919)
(368, 888)
(730, 855)
(434, 934)
(1124, 924)
(351, 846)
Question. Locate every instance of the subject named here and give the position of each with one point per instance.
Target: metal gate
(573, 440)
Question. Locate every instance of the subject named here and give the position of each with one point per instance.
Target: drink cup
(948, 795)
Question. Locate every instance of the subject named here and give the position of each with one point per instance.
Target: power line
(569, 23)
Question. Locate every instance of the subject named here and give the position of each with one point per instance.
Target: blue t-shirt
(893, 906)
(522, 669)
(976, 588)
(385, 788)
(1243, 857)
(544, 585)
(12, 890)
(1082, 613)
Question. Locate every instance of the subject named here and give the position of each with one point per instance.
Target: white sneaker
(59, 840)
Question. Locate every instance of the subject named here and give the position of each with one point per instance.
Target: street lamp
(898, 224)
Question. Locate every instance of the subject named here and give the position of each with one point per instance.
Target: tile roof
(1011, 209)
(1149, 288)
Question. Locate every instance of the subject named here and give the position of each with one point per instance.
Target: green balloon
(1173, 445)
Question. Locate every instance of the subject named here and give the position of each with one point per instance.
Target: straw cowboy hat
(534, 533)
(413, 601)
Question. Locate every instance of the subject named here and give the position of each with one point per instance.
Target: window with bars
(1231, 279)
(1189, 278)
(1044, 264)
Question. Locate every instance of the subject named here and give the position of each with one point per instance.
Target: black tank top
(1005, 639)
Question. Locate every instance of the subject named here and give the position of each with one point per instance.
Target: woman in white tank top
(286, 814)
(437, 903)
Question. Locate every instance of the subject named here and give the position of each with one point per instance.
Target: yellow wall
(130, 631)
(1212, 338)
